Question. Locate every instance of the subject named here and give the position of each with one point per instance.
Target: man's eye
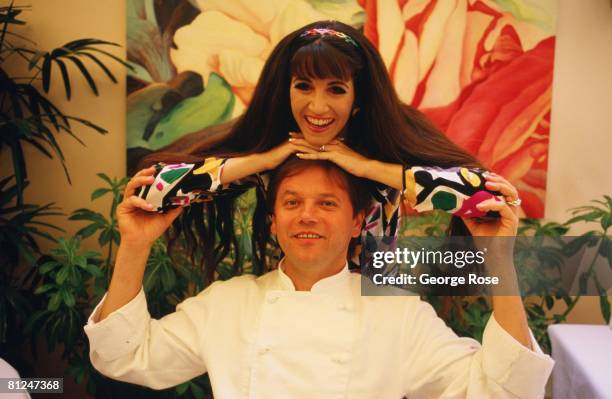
(337, 90)
(329, 203)
(301, 86)
(291, 202)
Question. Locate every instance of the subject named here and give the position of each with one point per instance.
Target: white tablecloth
(583, 361)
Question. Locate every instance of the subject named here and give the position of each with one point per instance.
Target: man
(303, 330)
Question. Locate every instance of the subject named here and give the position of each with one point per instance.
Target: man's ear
(357, 224)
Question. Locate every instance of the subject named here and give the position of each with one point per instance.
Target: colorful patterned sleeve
(454, 190)
(182, 184)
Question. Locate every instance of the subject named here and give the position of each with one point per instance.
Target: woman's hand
(337, 152)
(241, 167)
(507, 225)
(137, 223)
(278, 154)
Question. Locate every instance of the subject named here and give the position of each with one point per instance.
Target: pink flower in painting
(482, 74)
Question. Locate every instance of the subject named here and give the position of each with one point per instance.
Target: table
(583, 361)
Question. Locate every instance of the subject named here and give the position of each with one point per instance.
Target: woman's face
(321, 107)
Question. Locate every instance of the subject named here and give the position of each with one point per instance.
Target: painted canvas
(480, 69)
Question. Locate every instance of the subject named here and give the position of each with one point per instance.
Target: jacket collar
(337, 284)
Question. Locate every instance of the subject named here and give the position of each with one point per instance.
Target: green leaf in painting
(211, 107)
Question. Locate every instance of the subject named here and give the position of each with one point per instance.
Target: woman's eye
(301, 86)
(329, 204)
(291, 202)
(338, 90)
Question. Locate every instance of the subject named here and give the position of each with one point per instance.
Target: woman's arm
(507, 308)
(181, 184)
(241, 167)
(455, 190)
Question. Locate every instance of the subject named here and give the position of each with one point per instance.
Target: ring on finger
(516, 202)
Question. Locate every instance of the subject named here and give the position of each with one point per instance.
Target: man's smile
(307, 235)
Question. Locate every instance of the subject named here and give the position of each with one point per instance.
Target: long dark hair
(384, 129)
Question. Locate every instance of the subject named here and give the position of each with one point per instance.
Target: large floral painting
(480, 69)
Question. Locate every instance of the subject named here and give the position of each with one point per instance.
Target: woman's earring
(355, 110)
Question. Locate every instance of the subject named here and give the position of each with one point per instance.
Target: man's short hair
(358, 189)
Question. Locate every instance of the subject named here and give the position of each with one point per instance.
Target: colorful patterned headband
(329, 32)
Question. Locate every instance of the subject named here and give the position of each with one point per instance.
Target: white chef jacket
(257, 337)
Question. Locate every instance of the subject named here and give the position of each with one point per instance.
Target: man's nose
(308, 214)
(318, 103)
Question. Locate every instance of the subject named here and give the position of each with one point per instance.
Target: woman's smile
(321, 107)
(318, 124)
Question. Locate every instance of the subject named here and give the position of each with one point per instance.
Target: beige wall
(579, 164)
(52, 23)
(580, 136)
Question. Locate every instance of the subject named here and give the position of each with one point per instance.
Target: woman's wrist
(241, 167)
(261, 162)
(389, 174)
(370, 169)
(135, 244)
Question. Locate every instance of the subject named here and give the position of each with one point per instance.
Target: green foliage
(19, 228)
(19, 225)
(108, 228)
(64, 287)
(432, 224)
(31, 117)
(535, 259)
(73, 281)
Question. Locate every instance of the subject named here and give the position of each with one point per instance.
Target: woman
(327, 82)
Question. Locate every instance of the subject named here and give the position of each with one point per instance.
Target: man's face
(313, 219)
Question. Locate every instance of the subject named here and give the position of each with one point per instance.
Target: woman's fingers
(317, 155)
(302, 142)
(332, 146)
(504, 209)
(296, 135)
(145, 171)
(302, 148)
(498, 183)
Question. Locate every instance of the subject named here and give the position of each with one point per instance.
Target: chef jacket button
(272, 299)
(263, 351)
(344, 306)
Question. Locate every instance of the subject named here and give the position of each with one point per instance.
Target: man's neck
(305, 276)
